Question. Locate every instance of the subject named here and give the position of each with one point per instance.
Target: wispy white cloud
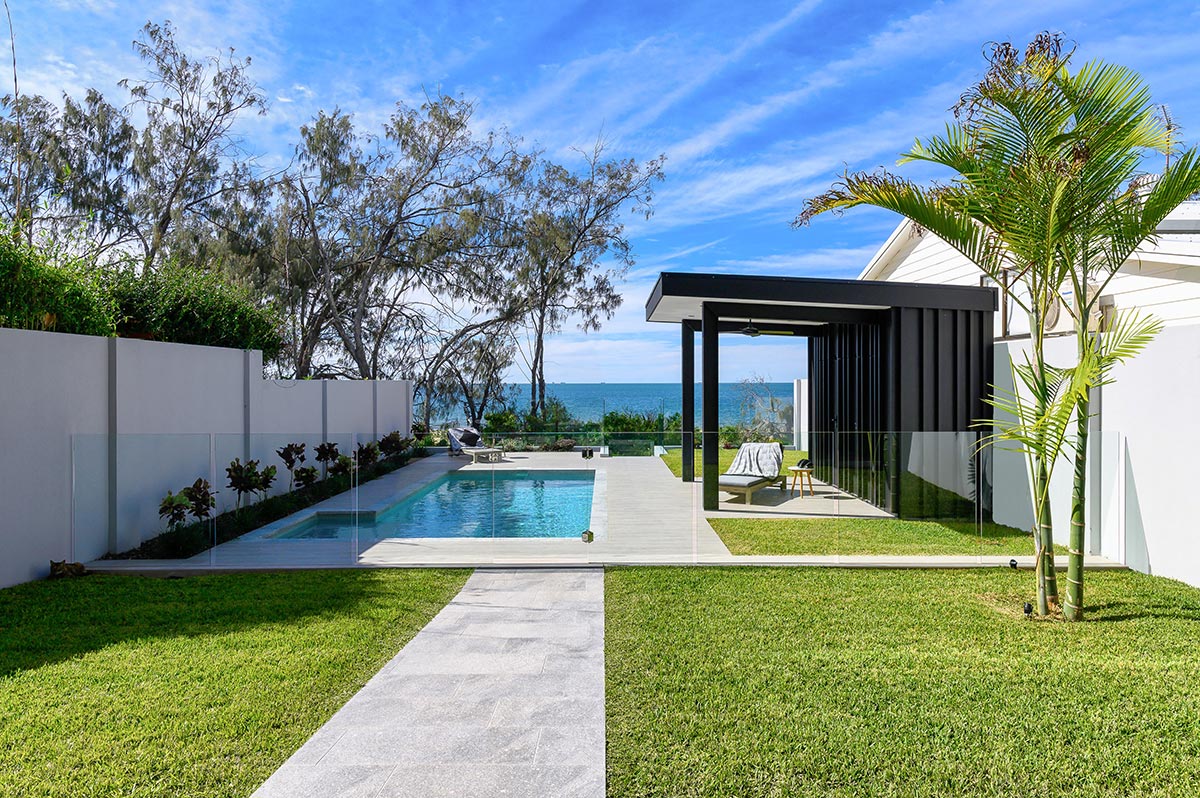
(940, 28)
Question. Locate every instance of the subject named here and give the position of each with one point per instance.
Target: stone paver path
(502, 694)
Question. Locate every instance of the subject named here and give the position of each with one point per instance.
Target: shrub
(563, 445)
(392, 444)
(192, 306)
(306, 476)
(37, 293)
(292, 456)
(200, 497)
(327, 454)
(174, 509)
(342, 466)
(244, 477)
(367, 454)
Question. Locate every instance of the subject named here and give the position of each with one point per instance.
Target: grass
(869, 536)
(821, 682)
(674, 460)
(199, 687)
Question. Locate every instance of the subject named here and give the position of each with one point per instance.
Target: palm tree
(1046, 196)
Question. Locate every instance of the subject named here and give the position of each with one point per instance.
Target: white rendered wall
(179, 412)
(800, 414)
(51, 387)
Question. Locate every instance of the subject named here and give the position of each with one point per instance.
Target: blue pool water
(474, 504)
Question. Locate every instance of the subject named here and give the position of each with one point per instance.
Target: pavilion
(884, 359)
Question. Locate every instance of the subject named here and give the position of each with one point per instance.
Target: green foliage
(192, 306)
(292, 455)
(367, 454)
(306, 476)
(505, 420)
(342, 466)
(393, 444)
(174, 508)
(327, 454)
(38, 293)
(243, 477)
(200, 498)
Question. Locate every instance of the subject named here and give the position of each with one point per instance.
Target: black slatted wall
(872, 385)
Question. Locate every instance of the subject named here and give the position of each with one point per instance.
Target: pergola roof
(790, 304)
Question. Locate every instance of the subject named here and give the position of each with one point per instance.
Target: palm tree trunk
(1047, 578)
(1073, 608)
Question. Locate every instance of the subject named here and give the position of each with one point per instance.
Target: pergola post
(688, 381)
(709, 397)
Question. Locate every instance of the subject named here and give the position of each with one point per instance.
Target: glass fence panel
(286, 499)
(141, 496)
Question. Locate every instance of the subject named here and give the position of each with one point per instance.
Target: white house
(1144, 480)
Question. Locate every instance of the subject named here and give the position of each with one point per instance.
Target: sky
(756, 105)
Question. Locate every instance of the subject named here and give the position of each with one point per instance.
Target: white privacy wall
(179, 412)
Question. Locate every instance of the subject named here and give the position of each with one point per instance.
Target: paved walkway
(502, 694)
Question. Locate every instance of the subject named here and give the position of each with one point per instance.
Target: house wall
(71, 490)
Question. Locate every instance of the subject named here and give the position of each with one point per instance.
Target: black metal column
(710, 451)
(688, 382)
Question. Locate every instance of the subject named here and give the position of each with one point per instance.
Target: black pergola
(883, 359)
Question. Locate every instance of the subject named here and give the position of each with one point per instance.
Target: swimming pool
(471, 504)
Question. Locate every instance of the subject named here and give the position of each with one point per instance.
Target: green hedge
(41, 291)
(37, 293)
(192, 306)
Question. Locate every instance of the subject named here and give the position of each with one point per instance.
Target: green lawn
(821, 682)
(114, 686)
(868, 536)
(674, 459)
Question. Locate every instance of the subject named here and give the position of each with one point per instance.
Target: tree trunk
(1073, 608)
(1047, 578)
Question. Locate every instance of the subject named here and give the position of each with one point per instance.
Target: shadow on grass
(46, 622)
(1116, 611)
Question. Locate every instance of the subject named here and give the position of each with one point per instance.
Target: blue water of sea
(590, 401)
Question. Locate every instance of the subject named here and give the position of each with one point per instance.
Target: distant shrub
(39, 293)
(192, 306)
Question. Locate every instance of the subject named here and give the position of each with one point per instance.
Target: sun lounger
(755, 466)
(467, 440)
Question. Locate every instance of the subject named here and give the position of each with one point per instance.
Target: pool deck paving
(502, 693)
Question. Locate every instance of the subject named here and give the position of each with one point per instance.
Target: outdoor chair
(754, 467)
(467, 440)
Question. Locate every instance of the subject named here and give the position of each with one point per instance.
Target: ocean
(590, 401)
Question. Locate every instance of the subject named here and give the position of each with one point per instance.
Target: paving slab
(502, 693)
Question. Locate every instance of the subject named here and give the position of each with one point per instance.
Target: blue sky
(756, 105)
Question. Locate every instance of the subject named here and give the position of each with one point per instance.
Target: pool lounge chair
(467, 440)
(755, 466)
